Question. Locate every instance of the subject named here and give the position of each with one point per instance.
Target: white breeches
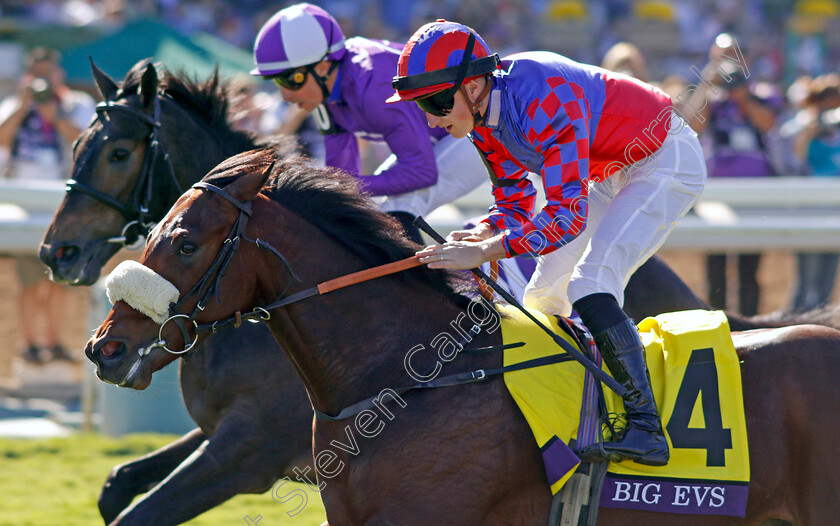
(629, 216)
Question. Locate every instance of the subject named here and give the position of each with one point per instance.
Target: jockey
(345, 82)
(618, 167)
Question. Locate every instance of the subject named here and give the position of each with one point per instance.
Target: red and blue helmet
(299, 35)
(433, 60)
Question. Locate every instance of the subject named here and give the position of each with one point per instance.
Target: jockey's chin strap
(322, 81)
(475, 106)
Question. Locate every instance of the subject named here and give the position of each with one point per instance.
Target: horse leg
(238, 458)
(128, 480)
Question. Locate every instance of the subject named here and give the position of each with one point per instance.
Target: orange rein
(368, 274)
(392, 268)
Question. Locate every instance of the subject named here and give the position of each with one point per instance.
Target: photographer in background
(733, 119)
(817, 146)
(37, 128)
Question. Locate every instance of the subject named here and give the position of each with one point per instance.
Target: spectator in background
(626, 58)
(733, 117)
(346, 83)
(817, 146)
(37, 127)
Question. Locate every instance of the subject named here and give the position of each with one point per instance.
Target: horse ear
(247, 186)
(148, 86)
(105, 84)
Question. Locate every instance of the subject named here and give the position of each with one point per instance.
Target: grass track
(56, 482)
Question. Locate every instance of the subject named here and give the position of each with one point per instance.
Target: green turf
(56, 482)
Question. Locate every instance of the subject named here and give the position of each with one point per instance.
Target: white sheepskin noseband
(142, 288)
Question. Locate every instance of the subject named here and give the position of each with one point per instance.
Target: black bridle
(208, 285)
(138, 219)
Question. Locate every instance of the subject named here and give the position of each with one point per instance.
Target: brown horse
(460, 455)
(226, 386)
(103, 211)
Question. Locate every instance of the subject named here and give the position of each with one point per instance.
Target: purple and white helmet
(296, 36)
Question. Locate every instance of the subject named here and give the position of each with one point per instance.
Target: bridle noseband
(139, 222)
(209, 283)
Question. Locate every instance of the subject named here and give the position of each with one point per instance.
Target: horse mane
(330, 199)
(210, 101)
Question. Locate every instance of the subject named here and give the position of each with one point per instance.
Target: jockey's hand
(462, 255)
(478, 233)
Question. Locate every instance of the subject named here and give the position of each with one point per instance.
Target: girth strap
(447, 381)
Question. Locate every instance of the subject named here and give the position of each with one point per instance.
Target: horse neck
(350, 344)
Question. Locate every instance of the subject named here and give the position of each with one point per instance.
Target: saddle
(693, 367)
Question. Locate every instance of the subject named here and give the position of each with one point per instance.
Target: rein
(136, 213)
(209, 283)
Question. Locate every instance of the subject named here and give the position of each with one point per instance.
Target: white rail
(26, 210)
(799, 213)
(790, 212)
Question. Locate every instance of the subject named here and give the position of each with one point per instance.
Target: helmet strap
(475, 105)
(461, 74)
(322, 81)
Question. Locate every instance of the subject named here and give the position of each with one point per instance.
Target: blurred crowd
(785, 38)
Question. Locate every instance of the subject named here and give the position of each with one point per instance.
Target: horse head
(234, 250)
(152, 136)
(182, 265)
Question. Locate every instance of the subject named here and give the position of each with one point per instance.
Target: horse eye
(120, 155)
(187, 248)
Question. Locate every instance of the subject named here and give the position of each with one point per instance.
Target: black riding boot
(618, 340)
(643, 439)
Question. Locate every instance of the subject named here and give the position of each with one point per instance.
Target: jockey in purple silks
(345, 83)
(618, 167)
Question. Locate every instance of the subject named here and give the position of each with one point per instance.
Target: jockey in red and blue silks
(345, 82)
(618, 169)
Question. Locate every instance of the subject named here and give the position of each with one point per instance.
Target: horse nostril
(110, 348)
(66, 254)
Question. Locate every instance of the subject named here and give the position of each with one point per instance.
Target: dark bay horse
(459, 455)
(196, 133)
(252, 412)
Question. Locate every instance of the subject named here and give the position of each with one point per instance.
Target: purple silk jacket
(357, 107)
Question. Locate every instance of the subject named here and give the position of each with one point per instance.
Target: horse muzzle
(116, 364)
(72, 264)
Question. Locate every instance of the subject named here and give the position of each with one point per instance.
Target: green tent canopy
(197, 56)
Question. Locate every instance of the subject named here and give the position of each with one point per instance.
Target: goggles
(438, 104)
(293, 79)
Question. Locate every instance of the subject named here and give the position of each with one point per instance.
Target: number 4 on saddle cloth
(696, 380)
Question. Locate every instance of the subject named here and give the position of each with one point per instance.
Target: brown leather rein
(210, 282)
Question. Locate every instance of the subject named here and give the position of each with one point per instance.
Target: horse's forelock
(208, 100)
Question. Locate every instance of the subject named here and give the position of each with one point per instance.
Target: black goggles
(292, 79)
(438, 104)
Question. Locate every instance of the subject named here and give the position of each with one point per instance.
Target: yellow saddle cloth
(696, 381)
